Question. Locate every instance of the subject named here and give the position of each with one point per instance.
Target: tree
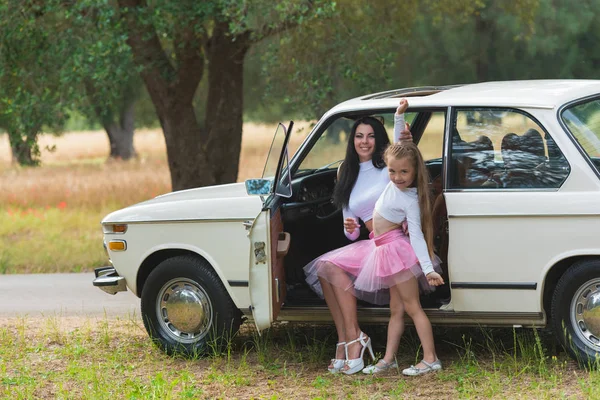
(372, 46)
(60, 55)
(102, 69)
(31, 94)
(173, 43)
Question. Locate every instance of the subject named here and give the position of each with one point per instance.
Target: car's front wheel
(576, 312)
(185, 307)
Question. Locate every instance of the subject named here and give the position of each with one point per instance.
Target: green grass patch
(102, 358)
(53, 239)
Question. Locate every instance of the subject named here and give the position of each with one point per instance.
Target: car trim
(520, 190)
(170, 221)
(438, 317)
(446, 156)
(238, 283)
(494, 285)
(523, 215)
(570, 135)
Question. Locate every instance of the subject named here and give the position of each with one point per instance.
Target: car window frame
(453, 111)
(570, 135)
(323, 125)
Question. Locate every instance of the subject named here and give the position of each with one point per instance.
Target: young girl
(397, 262)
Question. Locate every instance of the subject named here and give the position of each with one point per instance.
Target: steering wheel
(326, 210)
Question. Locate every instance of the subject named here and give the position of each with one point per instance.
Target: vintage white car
(515, 171)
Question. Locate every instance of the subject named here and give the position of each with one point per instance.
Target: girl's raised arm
(400, 125)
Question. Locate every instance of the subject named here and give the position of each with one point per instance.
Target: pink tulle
(391, 262)
(338, 267)
(370, 267)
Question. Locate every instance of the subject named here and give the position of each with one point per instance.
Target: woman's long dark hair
(350, 167)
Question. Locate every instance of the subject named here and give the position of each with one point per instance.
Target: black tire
(576, 312)
(186, 309)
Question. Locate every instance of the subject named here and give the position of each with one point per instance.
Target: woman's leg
(347, 303)
(409, 292)
(395, 326)
(336, 314)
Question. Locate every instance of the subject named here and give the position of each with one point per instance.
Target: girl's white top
(397, 205)
(370, 183)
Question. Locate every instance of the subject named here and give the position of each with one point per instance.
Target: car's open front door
(268, 242)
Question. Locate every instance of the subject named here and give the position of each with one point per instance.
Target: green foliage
(32, 94)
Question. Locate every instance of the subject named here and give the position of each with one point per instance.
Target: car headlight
(114, 228)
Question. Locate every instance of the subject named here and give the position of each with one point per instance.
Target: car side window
(494, 148)
(431, 142)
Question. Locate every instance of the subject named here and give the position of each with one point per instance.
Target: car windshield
(583, 120)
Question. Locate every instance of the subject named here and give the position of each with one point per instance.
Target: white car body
(507, 249)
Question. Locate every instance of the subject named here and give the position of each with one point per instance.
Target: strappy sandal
(356, 364)
(337, 363)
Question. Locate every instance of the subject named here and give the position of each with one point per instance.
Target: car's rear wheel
(186, 309)
(576, 312)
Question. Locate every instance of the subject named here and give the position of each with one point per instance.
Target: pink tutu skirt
(338, 267)
(391, 262)
(369, 268)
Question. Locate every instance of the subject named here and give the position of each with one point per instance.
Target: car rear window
(583, 121)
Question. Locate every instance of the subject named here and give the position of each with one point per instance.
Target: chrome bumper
(109, 281)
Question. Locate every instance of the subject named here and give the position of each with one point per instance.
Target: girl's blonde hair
(411, 151)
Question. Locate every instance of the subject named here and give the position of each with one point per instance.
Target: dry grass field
(56, 209)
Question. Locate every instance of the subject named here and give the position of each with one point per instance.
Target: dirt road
(36, 295)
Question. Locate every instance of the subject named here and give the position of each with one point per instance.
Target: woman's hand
(402, 106)
(435, 279)
(350, 225)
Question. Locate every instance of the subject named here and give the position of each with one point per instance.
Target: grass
(61, 357)
(50, 216)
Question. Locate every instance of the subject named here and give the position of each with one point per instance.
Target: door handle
(248, 224)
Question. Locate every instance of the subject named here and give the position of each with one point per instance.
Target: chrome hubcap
(585, 313)
(184, 310)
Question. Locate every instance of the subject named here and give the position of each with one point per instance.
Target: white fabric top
(370, 183)
(396, 205)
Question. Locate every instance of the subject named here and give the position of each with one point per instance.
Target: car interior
(526, 161)
(315, 225)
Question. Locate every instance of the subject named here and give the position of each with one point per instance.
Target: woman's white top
(397, 205)
(368, 187)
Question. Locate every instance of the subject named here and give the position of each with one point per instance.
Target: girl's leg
(409, 292)
(395, 326)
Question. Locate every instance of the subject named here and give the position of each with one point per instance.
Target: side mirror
(261, 187)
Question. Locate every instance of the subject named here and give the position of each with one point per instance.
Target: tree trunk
(482, 32)
(224, 108)
(210, 156)
(120, 133)
(22, 150)
(197, 157)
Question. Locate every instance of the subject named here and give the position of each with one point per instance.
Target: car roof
(526, 94)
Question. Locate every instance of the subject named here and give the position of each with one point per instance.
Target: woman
(362, 177)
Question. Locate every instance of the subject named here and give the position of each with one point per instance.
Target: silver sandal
(376, 368)
(429, 367)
